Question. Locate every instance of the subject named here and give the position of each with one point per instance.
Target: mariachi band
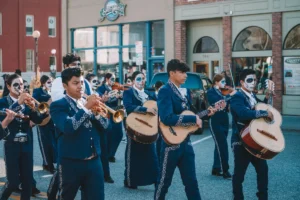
(80, 126)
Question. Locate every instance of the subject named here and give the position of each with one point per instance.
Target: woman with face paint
(141, 162)
(18, 144)
(46, 132)
(94, 82)
(219, 126)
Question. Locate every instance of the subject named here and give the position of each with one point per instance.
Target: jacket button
(91, 146)
(91, 138)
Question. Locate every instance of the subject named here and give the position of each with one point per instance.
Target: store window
(29, 60)
(134, 32)
(129, 62)
(52, 26)
(29, 25)
(107, 61)
(292, 40)
(108, 36)
(252, 38)
(84, 38)
(158, 38)
(291, 75)
(87, 60)
(206, 45)
(262, 67)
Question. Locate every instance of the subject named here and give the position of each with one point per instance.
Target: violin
(226, 91)
(120, 87)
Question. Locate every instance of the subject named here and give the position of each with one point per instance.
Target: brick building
(18, 19)
(264, 35)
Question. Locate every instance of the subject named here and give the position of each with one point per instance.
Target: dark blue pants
(46, 137)
(158, 146)
(53, 186)
(242, 158)
(84, 173)
(114, 137)
(220, 134)
(183, 157)
(104, 153)
(19, 164)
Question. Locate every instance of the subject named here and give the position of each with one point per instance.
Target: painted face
(139, 81)
(112, 80)
(222, 83)
(250, 82)
(94, 83)
(48, 84)
(26, 87)
(17, 86)
(129, 82)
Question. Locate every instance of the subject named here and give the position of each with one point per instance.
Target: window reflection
(206, 45)
(108, 36)
(84, 38)
(107, 61)
(134, 32)
(292, 40)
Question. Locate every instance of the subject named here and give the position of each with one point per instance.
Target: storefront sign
(139, 52)
(112, 10)
(292, 75)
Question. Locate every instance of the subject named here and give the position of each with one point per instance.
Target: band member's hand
(32, 124)
(232, 93)
(93, 100)
(49, 102)
(24, 97)
(198, 121)
(212, 111)
(104, 97)
(270, 115)
(151, 111)
(10, 115)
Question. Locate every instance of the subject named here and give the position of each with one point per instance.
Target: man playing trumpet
(80, 129)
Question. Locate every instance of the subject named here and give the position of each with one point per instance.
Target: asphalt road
(284, 174)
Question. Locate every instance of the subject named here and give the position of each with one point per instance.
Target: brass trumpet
(103, 110)
(33, 104)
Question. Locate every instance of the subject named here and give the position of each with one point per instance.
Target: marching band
(80, 127)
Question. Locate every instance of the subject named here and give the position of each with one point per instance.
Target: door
(208, 68)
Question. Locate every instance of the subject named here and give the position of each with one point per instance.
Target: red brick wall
(227, 32)
(185, 2)
(180, 40)
(277, 58)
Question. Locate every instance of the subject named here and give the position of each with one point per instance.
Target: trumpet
(33, 104)
(103, 110)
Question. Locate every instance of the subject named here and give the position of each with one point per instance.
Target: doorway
(208, 68)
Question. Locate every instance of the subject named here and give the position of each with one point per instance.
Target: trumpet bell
(43, 108)
(118, 116)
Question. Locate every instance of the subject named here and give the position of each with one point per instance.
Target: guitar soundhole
(268, 120)
(172, 131)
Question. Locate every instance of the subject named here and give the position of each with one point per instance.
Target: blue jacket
(80, 131)
(41, 95)
(171, 104)
(16, 125)
(113, 101)
(242, 113)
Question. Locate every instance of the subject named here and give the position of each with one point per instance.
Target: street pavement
(284, 174)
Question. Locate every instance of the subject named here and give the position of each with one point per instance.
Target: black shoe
(216, 172)
(49, 168)
(130, 187)
(35, 191)
(18, 191)
(108, 179)
(112, 159)
(227, 175)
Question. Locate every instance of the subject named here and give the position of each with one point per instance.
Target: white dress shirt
(252, 99)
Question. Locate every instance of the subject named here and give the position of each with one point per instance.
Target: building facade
(213, 36)
(18, 20)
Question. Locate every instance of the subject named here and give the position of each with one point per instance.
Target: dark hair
(217, 78)
(176, 65)
(68, 73)
(244, 73)
(12, 77)
(44, 79)
(107, 76)
(90, 76)
(129, 77)
(135, 74)
(69, 58)
(158, 84)
(19, 72)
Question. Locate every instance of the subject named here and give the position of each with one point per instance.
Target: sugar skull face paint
(222, 83)
(26, 86)
(94, 83)
(17, 86)
(48, 84)
(112, 80)
(139, 81)
(250, 82)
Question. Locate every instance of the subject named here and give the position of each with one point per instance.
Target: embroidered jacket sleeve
(4, 132)
(166, 113)
(129, 105)
(66, 124)
(238, 106)
(101, 122)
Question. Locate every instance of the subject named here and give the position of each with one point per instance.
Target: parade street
(284, 171)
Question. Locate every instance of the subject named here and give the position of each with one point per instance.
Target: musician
(94, 82)
(242, 109)
(114, 136)
(69, 60)
(79, 146)
(46, 132)
(141, 162)
(173, 100)
(18, 143)
(219, 126)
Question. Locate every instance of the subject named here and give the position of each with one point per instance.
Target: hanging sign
(112, 10)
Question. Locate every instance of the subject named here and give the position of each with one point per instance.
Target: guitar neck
(203, 113)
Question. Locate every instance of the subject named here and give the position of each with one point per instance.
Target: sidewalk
(290, 123)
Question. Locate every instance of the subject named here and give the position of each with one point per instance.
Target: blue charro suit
(170, 105)
(18, 153)
(46, 133)
(78, 149)
(115, 134)
(141, 163)
(242, 114)
(219, 126)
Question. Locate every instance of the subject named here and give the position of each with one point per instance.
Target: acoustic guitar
(263, 138)
(143, 128)
(174, 135)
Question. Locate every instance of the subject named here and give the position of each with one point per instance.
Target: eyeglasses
(250, 80)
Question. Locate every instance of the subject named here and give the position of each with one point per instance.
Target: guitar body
(143, 128)
(176, 134)
(262, 138)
